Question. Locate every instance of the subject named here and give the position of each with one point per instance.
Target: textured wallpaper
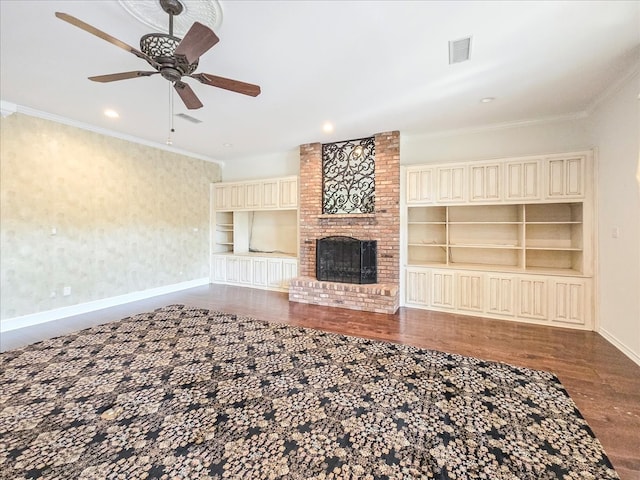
(127, 217)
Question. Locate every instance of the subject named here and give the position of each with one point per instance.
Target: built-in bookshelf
(513, 237)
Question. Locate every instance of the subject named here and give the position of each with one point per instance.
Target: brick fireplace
(382, 226)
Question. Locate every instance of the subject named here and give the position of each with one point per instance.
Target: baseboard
(620, 346)
(64, 312)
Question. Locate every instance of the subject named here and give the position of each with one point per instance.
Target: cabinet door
(469, 291)
(236, 195)
(442, 289)
(532, 298)
(451, 184)
(417, 289)
(565, 177)
(260, 272)
(274, 273)
(570, 301)
(253, 195)
(245, 271)
(288, 192)
(222, 197)
(501, 293)
(484, 183)
(289, 272)
(420, 185)
(232, 270)
(218, 268)
(522, 180)
(270, 190)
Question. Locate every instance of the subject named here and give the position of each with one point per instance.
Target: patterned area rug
(185, 393)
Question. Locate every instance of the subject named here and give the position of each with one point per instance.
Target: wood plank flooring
(603, 382)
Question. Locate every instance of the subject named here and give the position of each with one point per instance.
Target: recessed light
(227, 145)
(328, 127)
(487, 99)
(111, 113)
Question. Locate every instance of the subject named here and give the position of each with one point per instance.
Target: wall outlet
(53, 294)
(54, 231)
(66, 291)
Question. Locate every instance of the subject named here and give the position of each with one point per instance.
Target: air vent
(188, 118)
(459, 50)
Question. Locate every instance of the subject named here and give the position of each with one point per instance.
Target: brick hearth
(383, 226)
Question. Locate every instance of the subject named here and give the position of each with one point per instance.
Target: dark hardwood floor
(603, 382)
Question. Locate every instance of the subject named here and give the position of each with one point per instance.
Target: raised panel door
(270, 190)
(442, 289)
(417, 289)
(274, 273)
(237, 193)
(565, 177)
(500, 295)
(260, 272)
(245, 270)
(485, 183)
(532, 298)
(218, 268)
(470, 291)
(420, 186)
(221, 197)
(253, 195)
(451, 184)
(288, 193)
(289, 272)
(232, 270)
(569, 301)
(522, 180)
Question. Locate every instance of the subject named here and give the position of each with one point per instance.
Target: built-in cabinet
(269, 194)
(255, 229)
(507, 239)
(254, 270)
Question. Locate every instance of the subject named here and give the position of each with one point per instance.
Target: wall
(263, 166)
(615, 128)
(127, 217)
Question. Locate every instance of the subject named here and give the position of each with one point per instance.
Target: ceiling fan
(170, 56)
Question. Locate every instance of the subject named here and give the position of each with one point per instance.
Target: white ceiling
(366, 66)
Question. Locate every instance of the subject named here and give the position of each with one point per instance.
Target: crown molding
(32, 112)
(633, 70)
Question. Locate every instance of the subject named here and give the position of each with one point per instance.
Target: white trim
(613, 88)
(41, 317)
(103, 131)
(620, 346)
(7, 108)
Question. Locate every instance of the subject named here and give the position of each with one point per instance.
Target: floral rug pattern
(184, 393)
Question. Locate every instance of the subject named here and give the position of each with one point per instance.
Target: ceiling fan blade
(105, 36)
(227, 84)
(187, 95)
(120, 76)
(198, 40)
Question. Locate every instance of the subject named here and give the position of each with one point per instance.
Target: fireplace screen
(346, 260)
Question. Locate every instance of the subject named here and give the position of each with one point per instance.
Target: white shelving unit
(255, 233)
(509, 239)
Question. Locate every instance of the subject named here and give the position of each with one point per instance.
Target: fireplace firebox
(346, 260)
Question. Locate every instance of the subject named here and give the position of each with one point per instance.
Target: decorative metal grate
(348, 176)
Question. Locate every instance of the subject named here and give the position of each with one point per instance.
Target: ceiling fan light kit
(170, 56)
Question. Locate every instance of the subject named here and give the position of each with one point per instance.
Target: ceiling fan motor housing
(161, 48)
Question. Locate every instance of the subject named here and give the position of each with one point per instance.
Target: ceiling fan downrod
(172, 7)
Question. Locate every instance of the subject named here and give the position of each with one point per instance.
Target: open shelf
(518, 237)
(223, 236)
